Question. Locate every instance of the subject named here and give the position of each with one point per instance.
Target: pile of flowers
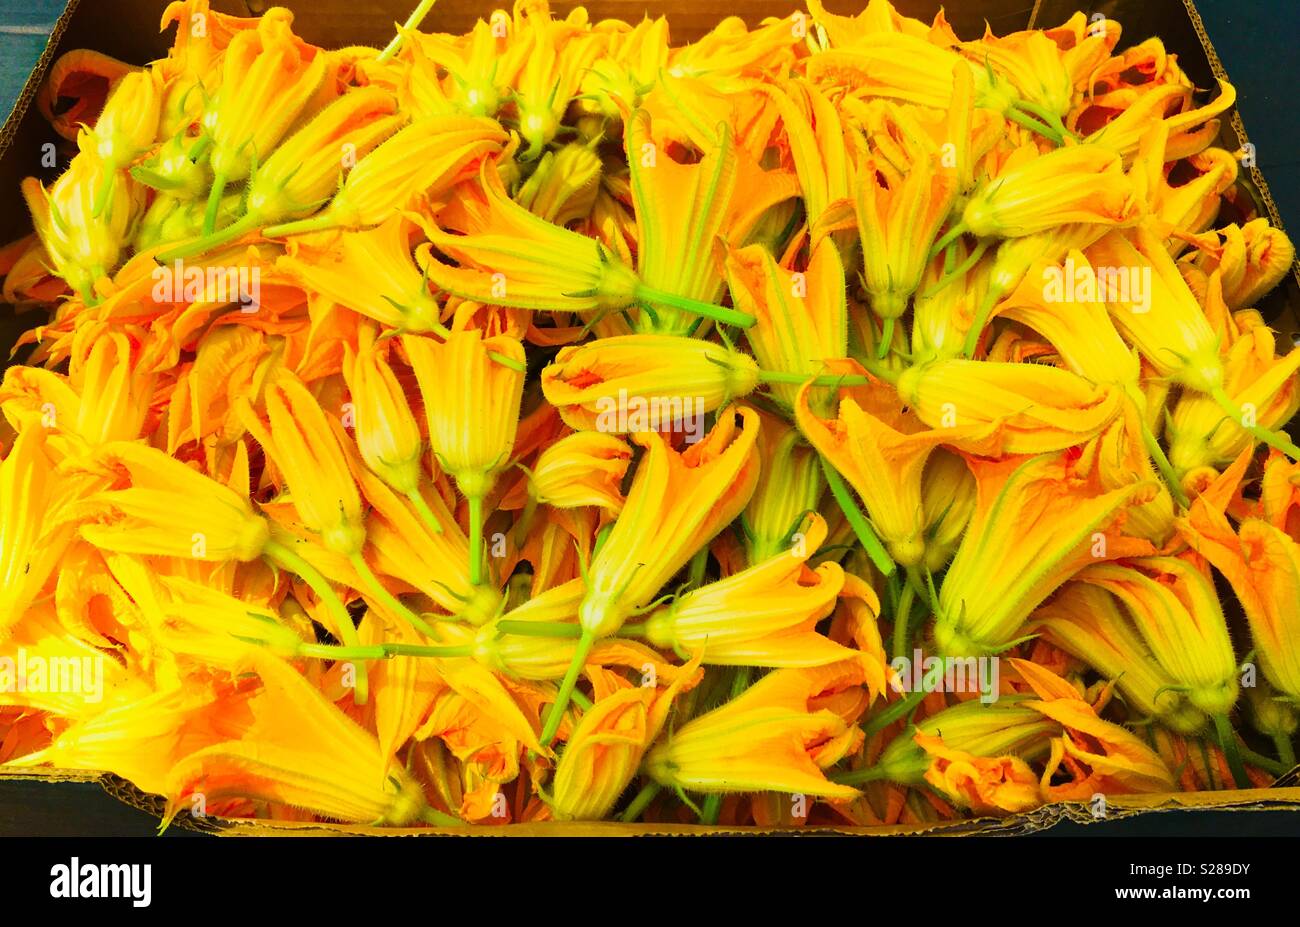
(835, 421)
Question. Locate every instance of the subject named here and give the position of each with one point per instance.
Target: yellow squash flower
(1279, 494)
(75, 88)
(84, 238)
(94, 683)
(267, 79)
(893, 65)
(815, 135)
(605, 750)
(763, 616)
(106, 396)
(510, 257)
(982, 785)
(564, 187)
(387, 434)
(1038, 408)
(304, 170)
(370, 272)
(684, 214)
(1190, 127)
(471, 437)
(948, 495)
(790, 484)
(1263, 386)
(299, 750)
(584, 468)
(772, 737)
(902, 201)
(882, 451)
(1165, 322)
(172, 510)
(429, 156)
(140, 738)
(1174, 606)
(32, 537)
(1253, 259)
(1098, 756)
(472, 387)
(1059, 300)
(1038, 192)
(305, 447)
(645, 382)
(677, 503)
(974, 754)
(128, 123)
(1086, 622)
(1262, 564)
(471, 62)
(802, 316)
(1035, 525)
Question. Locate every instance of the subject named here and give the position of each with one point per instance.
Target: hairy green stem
(283, 556)
(861, 527)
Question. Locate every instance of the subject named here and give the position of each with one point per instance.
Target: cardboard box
(128, 29)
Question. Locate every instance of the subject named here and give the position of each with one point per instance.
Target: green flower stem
(799, 379)
(735, 317)
(422, 509)
(952, 235)
(420, 650)
(859, 776)
(901, 635)
(1157, 453)
(1034, 125)
(981, 319)
(218, 190)
(556, 629)
(699, 563)
(1045, 115)
(321, 222)
(1228, 742)
(476, 540)
(510, 362)
(154, 179)
(283, 556)
(711, 809)
(200, 148)
(886, 337)
(412, 21)
(1271, 438)
(950, 275)
(1285, 750)
(861, 527)
(205, 243)
(333, 652)
(556, 713)
(1268, 764)
(641, 802)
(900, 709)
(440, 818)
(376, 588)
